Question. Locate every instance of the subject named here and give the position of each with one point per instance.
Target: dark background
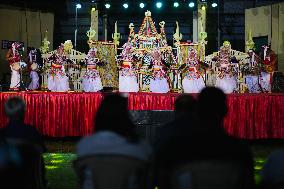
(231, 14)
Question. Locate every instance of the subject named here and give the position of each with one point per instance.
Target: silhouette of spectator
(201, 141)
(22, 147)
(15, 108)
(273, 171)
(115, 133)
(185, 107)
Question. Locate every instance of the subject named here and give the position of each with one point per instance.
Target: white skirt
(159, 85)
(15, 79)
(92, 84)
(265, 81)
(192, 85)
(227, 84)
(128, 84)
(252, 84)
(35, 81)
(58, 83)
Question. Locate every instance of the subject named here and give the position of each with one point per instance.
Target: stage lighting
(214, 5)
(125, 5)
(159, 4)
(191, 4)
(107, 5)
(78, 6)
(176, 4)
(203, 7)
(141, 5)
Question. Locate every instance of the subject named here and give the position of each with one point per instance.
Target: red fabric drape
(250, 116)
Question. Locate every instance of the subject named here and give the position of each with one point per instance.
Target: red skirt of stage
(250, 116)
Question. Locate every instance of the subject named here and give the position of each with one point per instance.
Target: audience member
(15, 109)
(202, 140)
(185, 109)
(115, 133)
(21, 149)
(273, 171)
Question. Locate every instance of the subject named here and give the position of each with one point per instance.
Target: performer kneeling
(159, 83)
(14, 58)
(192, 82)
(92, 80)
(127, 73)
(57, 80)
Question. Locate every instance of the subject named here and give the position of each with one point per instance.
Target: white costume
(57, 80)
(14, 58)
(92, 80)
(192, 82)
(159, 83)
(127, 75)
(226, 80)
(33, 74)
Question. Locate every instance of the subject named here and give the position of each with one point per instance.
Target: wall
(268, 21)
(25, 26)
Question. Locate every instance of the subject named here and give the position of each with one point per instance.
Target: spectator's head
(212, 105)
(15, 108)
(185, 105)
(113, 116)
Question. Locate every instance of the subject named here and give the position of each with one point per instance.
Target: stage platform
(250, 116)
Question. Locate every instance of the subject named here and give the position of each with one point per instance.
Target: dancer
(226, 79)
(159, 82)
(127, 73)
(92, 80)
(14, 58)
(57, 80)
(269, 64)
(34, 60)
(192, 82)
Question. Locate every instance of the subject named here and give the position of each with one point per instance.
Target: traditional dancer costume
(92, 80)
(253, 78)
(14, 58)
(226, 80)
(269, 62)
(57, 80)
(34, 66)
(192, 82)
(159, 82)
(127, 74)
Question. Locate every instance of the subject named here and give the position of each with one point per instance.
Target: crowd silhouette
(191, 152)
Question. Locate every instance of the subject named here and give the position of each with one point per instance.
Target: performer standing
(57, 80)
(14, 58)
(34, 60)
(269, 63)
(127, 74)
(226, 79)
(159, 82)
(92, 80)
(192, 82)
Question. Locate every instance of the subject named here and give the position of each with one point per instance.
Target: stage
(250, 116)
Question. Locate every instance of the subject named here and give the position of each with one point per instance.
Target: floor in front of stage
(61, 154)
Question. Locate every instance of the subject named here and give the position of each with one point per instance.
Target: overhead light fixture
(191, 4)
(214, 5)
(176, 4)
(107, 5)
(125, 5)
(159, 4)
(141, 5)
(78, 6)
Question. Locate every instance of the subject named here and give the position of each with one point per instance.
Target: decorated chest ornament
(91, 58)
(156, 57)
(192, 57)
